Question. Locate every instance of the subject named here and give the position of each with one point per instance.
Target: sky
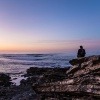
(34, 26)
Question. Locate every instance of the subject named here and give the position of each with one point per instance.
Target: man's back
(81, 52)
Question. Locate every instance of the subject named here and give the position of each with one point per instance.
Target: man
(81, 52)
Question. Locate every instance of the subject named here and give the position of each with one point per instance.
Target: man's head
(81, 47)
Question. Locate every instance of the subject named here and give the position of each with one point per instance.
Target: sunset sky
(36, 26)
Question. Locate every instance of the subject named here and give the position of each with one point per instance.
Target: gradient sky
(49, 25)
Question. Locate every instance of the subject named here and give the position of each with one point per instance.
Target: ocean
(16, 64)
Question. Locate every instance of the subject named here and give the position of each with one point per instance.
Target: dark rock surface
(24, 91)
(17, 93)
(82, 82)
(41, 71)
(5, 80)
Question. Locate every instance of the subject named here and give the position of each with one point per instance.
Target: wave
(16, 63)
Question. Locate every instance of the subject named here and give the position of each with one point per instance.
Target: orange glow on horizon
(47, 47)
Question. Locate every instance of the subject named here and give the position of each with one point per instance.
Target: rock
(30, 80)
(5, 80)
(17, 93)
(41, 71)
(26, 95)
(94, 59)
(82, 81)
(42, 75)
(24, 90)
(52, 77)
(89, 66)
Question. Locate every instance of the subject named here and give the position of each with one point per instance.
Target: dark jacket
(81, 53)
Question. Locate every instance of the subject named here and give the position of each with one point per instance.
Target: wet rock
(41, 71)
(30, 80)
(82, 81)
(5, 80)
(17, 93)
(34, 75)
(26, 95)
(52, 77)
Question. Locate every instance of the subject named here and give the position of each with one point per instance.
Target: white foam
(17, 81)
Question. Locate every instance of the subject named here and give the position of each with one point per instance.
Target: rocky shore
(82, 82)
(79, 82)
(9, 91)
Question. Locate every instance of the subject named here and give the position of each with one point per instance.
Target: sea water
(16, 64)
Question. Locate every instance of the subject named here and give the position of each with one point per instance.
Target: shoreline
(58, 83)
(24, 90)
(17, 77)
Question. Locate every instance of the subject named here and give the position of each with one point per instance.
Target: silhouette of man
(81, 52)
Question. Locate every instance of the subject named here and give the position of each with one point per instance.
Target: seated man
(81, 52)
